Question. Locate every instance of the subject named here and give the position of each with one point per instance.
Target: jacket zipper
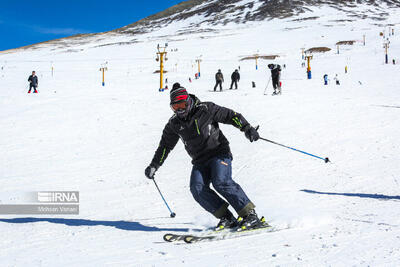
(197, 126)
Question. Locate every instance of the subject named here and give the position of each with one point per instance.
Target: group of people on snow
(336, 79)
(235, 78)
(219, 79)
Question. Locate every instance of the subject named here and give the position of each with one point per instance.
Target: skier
(33, 82)
(219, 79)
(196, 123)
(235, 77)
(326, 79)
(337, 79)
(275, 75)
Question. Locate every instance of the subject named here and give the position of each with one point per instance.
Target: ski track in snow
(77, 135)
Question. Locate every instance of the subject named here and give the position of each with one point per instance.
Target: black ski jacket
(200, 133)
(33, 80)
(235, 76)
(276, 71)
(219, 77)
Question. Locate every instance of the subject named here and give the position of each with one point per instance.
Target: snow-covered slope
(78, 135)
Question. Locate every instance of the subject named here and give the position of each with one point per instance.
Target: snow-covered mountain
(203, 16)
(77, 135)
(245, 11)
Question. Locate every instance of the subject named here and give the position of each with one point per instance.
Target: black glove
(150, 171)
(251, 133)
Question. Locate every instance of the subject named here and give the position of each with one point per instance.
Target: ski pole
(324, 159)
(267, 85)
(172, 215)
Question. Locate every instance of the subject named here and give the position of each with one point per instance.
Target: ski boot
(227, 221)
(250, 221)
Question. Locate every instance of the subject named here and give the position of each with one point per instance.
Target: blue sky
(27, 22)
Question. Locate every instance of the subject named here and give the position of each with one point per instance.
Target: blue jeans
(218, 172)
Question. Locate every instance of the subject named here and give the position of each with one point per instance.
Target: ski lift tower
(160, 57)
(103, 69)
(198, 60)
(386, 46)
(308, 57)
(256, 57)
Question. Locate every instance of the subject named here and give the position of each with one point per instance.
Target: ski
(173, 237)
(193, 239)
(169, 237)
(212, 234)
(228, 235)
(232, 233)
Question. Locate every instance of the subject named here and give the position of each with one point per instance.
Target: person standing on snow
(235, 77)
(197, 124)
(219, 79)
(337, 79)
(276, 76)
(326, 79)
(33, 82)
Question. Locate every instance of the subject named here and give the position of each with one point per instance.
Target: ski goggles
(179, 106)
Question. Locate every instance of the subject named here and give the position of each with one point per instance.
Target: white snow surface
(78, 135)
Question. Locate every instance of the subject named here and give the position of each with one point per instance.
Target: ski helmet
(180, 101)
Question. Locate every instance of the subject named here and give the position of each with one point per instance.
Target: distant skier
(219, 79)
(33, 82)
(196, 123)
(276, 76)
(326, 79)
(337, 79)
(235, 77)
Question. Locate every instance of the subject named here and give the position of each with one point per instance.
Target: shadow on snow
(375, 196)
(122, 225)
